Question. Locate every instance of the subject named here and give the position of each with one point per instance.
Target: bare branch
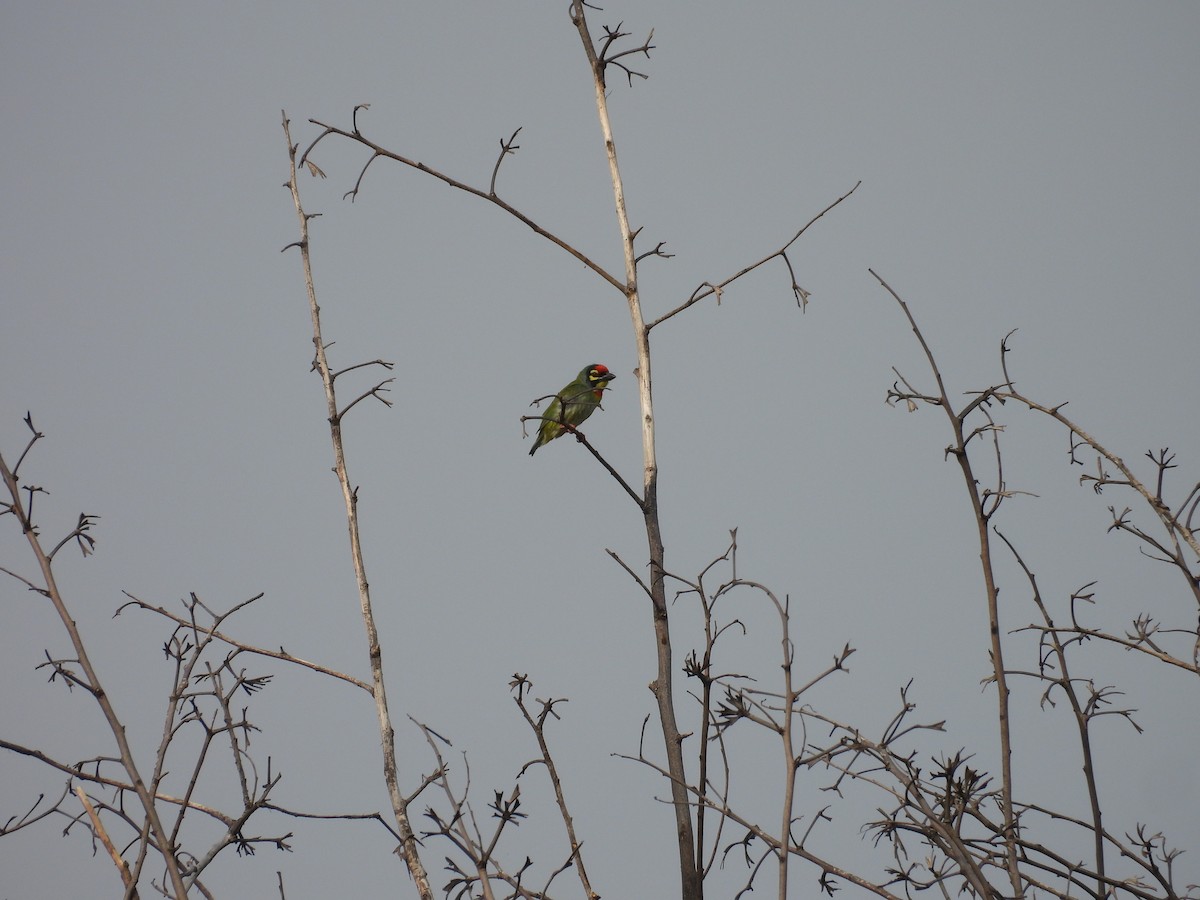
(212, 631)
(709, 289)
(506, 147)
(488, 195)
(409, 846)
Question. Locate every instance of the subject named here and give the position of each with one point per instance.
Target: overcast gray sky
(1023, 165)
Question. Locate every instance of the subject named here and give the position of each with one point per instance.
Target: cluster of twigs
(950, 826)
(479, 868)
(139, 819)
(946, 825)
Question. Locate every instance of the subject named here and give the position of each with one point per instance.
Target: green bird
(573, 404)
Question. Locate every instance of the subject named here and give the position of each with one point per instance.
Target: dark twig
(709, 289)
(582, 438)
(506, 147)
(520, 686)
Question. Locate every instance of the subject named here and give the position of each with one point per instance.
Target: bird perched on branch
(573, 404)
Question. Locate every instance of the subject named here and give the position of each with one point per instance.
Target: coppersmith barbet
(573, 404)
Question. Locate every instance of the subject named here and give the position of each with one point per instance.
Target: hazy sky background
(1023, 165)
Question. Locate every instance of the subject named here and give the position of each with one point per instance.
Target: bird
(573, 404)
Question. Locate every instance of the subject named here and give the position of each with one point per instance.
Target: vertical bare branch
(387, 734)
(520, 686)
(982, 515)
(1082, 716)
(689, 854)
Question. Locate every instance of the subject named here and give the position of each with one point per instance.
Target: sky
(1023, 166)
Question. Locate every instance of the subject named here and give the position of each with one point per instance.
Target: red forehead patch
(603, 370)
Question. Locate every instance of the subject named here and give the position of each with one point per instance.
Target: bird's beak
(608, 377)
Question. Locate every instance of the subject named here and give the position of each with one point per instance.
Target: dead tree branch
(409, 846)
